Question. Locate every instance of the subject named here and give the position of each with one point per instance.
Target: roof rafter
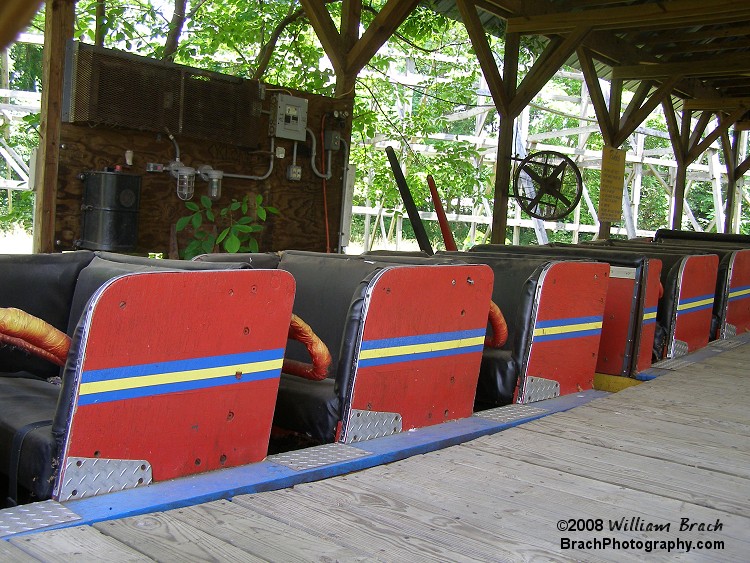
(650, 15)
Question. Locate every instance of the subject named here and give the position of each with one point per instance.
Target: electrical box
(332, 140)
(288, 118)
(294, 173)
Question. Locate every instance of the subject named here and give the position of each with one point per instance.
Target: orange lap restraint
(499, 328)
(321, 358)
(29, 333)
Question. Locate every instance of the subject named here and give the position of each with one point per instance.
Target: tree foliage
(418, 113)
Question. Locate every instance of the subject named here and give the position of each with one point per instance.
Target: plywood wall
(300, 224)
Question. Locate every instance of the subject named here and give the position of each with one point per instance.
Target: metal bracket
(539, 389)
(621, 272)
(677, 349)
(88, 477)
(366, 425)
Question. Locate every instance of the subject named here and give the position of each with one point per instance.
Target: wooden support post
(679, 195)
(615, 103)
(59, 19)
(730, 149)
(505, 142)
(351, 17)
(714, 167)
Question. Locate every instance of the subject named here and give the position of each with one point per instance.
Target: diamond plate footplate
(538, 389)
(730, 331)
(87, 477)
(312, 458)
(678, 348)
(673, 363)
(510, 413)
(366, 425)
(34, 516)
(728, 344)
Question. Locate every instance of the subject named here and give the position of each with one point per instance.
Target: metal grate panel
(510, 413)
(673, 363)
(34, 516)
(87, 477)
(539, 389)
(113, 88)
(728, 344)
(678, 348)
(366, 425)
(312, 458)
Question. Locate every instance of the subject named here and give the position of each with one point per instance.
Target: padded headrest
(397, 253)
(670, 234)
(43, 286)
(257, 260)
(612, 256)
(516, 277)
(326, 284)
(699, 247)
(107, 265)
(232, 264)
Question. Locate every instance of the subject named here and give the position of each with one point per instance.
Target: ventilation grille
(120, 89)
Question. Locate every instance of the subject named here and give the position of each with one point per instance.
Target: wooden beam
(674, 129)
(14, 17)
(725, 124)
(710, 47)
(506, 8)
(700, 128)
(351, 18)
(596, 94)
(679, 36)
(615, 105)
(58, 30)
(484, 54)
(615, 102)
(632, 118)
(380, 29)
(717, 104)
(730, 158)
(680, 139)
(326, 31)
(743, 167)
(728, 65)
(505, 142)
(616, 51)
(554, 56)
(639, 16)
(640, 96)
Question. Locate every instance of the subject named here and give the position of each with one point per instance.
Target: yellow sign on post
(611, 186)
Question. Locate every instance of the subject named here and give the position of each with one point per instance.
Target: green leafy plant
(232, 228)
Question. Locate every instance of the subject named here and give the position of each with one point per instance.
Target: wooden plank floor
(673, 451)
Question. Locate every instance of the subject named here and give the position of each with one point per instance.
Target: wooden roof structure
(689, 56)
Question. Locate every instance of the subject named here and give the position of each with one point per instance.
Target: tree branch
(407, 41)
(100, 31)
(264, 58)
(175, 30)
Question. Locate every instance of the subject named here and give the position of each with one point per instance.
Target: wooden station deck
(674, 451)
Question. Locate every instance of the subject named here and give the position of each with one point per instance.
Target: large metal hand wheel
(547, 185)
